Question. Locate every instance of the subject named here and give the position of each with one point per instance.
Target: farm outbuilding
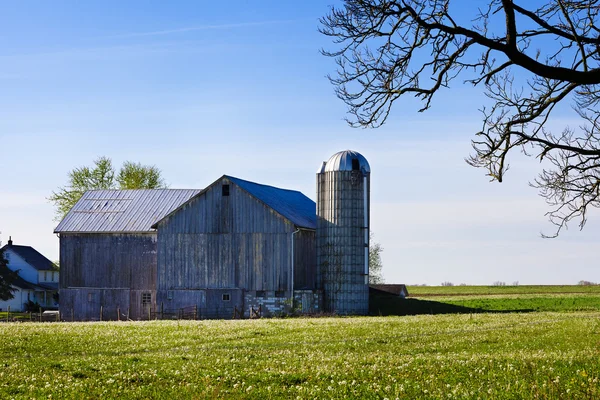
(108, 252)
(239, 245)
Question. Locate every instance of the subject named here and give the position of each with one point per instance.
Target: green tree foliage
(103, 176)
(375, 264)
(7, 277)
(529, 58)
(138, 176)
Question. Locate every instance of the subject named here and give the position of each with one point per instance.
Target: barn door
(307, 303)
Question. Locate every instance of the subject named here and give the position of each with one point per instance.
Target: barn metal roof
(291, 204)
(342, 161)
(113, 211)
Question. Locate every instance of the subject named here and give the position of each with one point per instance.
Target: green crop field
(425, 291)
(487, 356)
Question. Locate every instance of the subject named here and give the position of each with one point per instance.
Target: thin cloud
(203, 28)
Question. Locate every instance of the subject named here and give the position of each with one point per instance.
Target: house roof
(31, 256)
(23, 284)
(396, 289)
(124, 211)
(291, 204)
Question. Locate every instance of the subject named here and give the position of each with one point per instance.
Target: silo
(343, 208)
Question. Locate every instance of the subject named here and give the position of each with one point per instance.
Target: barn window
(355, 164)
(169, 295)
(146, 298)
(226, 297)
(261, 293)
(280, 293)
(225, 190)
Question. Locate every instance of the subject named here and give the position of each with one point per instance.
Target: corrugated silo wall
(342, 240)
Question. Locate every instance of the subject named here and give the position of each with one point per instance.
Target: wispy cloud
(203, 28)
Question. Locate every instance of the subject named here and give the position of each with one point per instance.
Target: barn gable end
(239, 237)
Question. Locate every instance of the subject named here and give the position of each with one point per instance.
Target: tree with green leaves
(530, 58)
(103, 176)
(7, 278)
(375, 264)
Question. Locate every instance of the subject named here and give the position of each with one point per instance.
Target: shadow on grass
(383, 304)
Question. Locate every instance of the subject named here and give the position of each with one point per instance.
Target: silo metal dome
(347, 160)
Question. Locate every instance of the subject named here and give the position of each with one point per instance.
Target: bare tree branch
(392, 48)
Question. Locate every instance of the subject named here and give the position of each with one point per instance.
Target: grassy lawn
(423, 291)
(499, 356)
(388, 305)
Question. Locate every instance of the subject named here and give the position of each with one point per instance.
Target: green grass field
(425, 291)
(481, 346)
(496, 356)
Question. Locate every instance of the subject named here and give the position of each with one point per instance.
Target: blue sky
(202, 89)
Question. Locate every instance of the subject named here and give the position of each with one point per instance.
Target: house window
(45, 276)
(226, 297)
(261, 293)
(280, 293)
(225, 190)
(146, 298)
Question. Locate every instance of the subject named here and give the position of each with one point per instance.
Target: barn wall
(305, 260)
(218, 241)
(108, 270)
(209, 303)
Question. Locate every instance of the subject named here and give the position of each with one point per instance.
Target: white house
(38, 278)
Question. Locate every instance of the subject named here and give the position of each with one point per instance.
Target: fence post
(8, 313)
(127, 313)
(101, 313)
(72, 315)
(162, 309)
(195, 312)
(118, 313)
(40, 314)
(56, 317)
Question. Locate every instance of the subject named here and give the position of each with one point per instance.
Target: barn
(108, 252)
(236, 246)
(228, 250)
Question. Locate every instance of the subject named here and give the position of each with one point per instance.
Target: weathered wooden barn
(239, 245)
(108, 252)
(230, 248)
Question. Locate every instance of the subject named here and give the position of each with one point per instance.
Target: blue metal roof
(291, 204)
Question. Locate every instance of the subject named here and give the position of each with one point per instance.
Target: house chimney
(10, 240)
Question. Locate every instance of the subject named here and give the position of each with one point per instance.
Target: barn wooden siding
(228, 242)
(106, 270)
(305, 260)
